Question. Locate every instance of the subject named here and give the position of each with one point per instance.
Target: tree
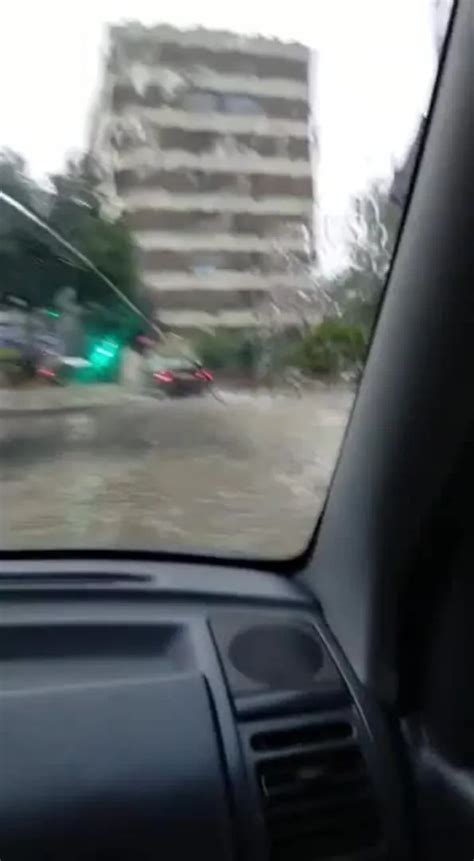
(373, 230)
(35, 266)
(334, 347)
(76, 214)
(357, 291)
(338, 343)
(13, 178)
(24, 255)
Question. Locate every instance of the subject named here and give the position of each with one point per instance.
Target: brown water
(248, 473)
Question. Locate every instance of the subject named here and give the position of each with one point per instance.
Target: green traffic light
(103, 353)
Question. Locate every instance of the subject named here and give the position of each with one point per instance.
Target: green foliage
(331, 348)
(20, 249)
(13, 178)
(358, 290)
(35, 266)
(108, 245)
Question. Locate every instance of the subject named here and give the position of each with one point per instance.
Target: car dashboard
(185, 711)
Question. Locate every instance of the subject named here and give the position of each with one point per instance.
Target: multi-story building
(203, 138)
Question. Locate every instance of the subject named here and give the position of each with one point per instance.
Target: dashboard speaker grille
(277, 656)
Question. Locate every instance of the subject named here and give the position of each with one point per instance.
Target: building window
(240, 105)
(200, 102)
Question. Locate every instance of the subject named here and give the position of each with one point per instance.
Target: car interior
(174, 705)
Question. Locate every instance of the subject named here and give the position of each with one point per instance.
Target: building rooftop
(213, 40)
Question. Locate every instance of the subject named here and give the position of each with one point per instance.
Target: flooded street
(247, 472)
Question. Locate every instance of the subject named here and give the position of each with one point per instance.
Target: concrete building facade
(203, 140)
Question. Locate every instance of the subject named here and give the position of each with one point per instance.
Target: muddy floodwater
(245, 472)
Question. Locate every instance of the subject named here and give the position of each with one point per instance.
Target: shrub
(331, 348)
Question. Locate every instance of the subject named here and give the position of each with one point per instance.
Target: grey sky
(375, 73)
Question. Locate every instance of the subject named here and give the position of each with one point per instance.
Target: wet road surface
(247, 474)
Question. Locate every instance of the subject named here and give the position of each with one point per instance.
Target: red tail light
(204, 375)
(46, 372)
(164, 376)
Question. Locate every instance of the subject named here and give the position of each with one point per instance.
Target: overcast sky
(376, 64)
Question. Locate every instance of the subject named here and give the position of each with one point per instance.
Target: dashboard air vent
(317, 797)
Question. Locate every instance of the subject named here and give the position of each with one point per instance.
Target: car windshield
(215, 188)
